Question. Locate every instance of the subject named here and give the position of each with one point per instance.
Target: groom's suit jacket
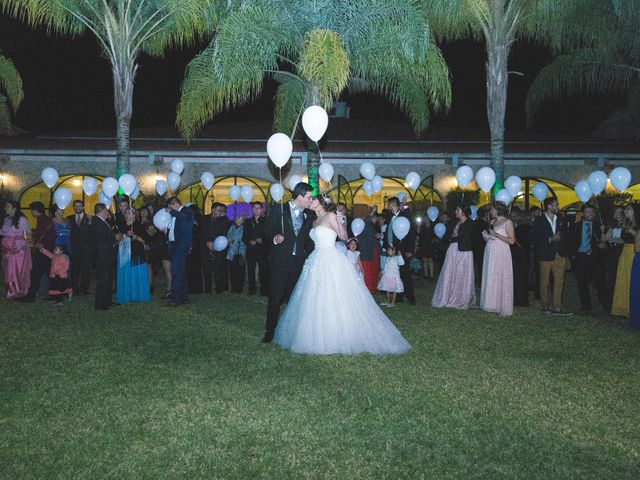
(283, 253)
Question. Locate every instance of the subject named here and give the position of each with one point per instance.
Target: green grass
(145, 391)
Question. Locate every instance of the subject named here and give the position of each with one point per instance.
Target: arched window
(564, 193)
(39, 192)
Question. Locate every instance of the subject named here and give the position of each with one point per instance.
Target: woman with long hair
(620, 306)
(133, 276)
(614, 244)
(63, 229)
(496, 294)
(16, 255)
(456, 284)
(426, 249)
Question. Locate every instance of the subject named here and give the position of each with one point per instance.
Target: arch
(196, 193)
(563, 192)
(39, 192)
(634, 190)
(351, 193)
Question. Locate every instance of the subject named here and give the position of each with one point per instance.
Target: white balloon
(279, 149)
(583, 191)
(177, 166)
(367, 170)
(207, 180)
(246, 192)
(49, 176)
(504, 196)
(315, 122)
(464, 175)
(102, 198)
(400, 227)
(161, 219)
(367, 186)
(110, 186)
(377, 183)
(235, 192)
(173, 180)
(357, 226)
(485, 178)
(161, 187)
(277, 191)
(620, 178)
(136, 192)
(90, 185)
(432, 213)
(326, 172)
(440, 229)
(540, 191)
(597, 181)
(127, 183)
(294, 180)
(402, 196)
(220, 243)
(412, 180)
(512, 185)
(62, 197)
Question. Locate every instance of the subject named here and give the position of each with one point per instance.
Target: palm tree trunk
(123, 106)
(313, 158)
(497, 81)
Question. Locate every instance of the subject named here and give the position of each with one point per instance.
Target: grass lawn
(145, 391)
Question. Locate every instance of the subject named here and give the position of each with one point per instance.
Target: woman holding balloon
(16, 256)
(132, 274)
(456, 284)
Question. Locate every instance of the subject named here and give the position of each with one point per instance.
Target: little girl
(390, 281)
(354, 257)
(59, 283)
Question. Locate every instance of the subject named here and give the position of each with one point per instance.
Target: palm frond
(10, 84)
(5, 117)
(587, 71)
(324, 64)
(289, 103)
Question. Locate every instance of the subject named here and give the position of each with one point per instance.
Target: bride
(330, 310)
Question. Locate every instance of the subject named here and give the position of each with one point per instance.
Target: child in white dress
(390, 280)
(354, 257)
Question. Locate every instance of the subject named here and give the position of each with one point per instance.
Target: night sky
(67, 87)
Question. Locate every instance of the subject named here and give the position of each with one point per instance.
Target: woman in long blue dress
(133, 276)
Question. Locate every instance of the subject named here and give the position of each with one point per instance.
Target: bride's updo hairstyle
(328, 204)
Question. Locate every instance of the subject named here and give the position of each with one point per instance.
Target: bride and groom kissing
(329, 309)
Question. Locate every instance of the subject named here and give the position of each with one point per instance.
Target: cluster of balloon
(244, 191)
(400, 227)
(440, 229)
(597, 181)
(433, 213)
(357, 226)
(173, 178)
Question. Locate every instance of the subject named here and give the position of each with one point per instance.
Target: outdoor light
(76, 183)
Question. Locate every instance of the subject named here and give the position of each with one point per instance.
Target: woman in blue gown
(132, 274)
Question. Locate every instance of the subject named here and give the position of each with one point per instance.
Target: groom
(289, 249)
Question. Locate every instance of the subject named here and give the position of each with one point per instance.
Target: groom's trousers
(282, 281)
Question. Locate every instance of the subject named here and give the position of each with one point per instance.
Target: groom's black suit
(284, 266)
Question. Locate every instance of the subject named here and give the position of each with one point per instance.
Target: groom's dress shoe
(267, 338)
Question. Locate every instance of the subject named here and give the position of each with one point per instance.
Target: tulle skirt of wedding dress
(332, 312)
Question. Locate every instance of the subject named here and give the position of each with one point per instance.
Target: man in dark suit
(180, 241)
(586, 258)
(103, 241)
(215, 263)
(549, 237)
(80, 249)
(254, 237)
(404, 247)
(287, 230)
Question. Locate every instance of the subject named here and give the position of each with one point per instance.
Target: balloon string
(281, 204)
(319, 152)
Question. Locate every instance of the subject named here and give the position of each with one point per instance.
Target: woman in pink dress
(496, 294)
(456, 284)
(16, 255)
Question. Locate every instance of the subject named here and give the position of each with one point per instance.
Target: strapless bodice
(323, 237)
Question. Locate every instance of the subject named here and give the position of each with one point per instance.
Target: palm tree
(609, 65)
(11, 94)
(316, 50)
(123, 29)
(500, 23)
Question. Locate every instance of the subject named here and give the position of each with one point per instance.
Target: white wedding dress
(331, 311)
